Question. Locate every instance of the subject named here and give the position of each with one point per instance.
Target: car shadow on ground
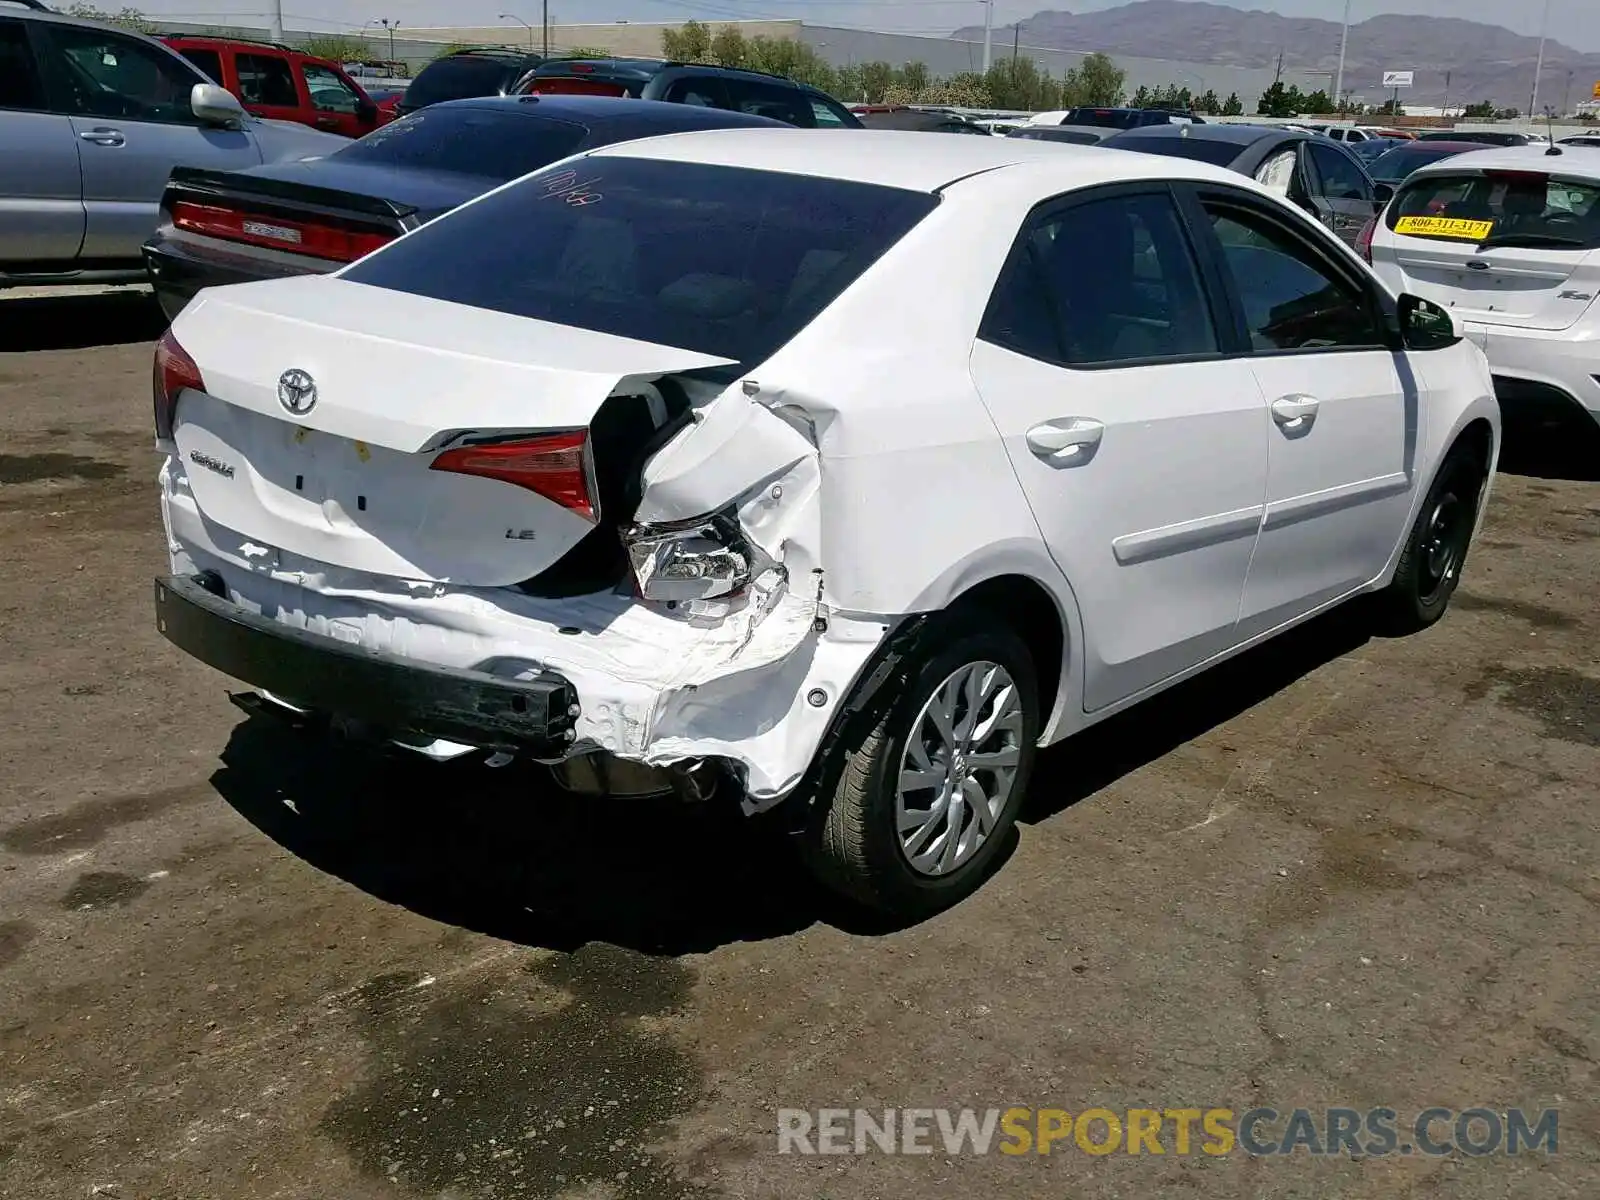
(1566, 448)
(76, 322)
(507, 853)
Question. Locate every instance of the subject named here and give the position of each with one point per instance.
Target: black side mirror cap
(1425, 325)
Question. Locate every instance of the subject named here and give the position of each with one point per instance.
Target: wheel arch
(1476, 427)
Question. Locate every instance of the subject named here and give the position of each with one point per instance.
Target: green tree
(1318, 103)
(1482, 108)
(1018, 83)
(1097, 80)
(1208, 103)
(691, 43)
(728, 47)
(1509, 114)
(1143, 98)
(336, 47)
(914, 75)
(1278, 101)
(1233, 106)
(126, 18)
(876, 79)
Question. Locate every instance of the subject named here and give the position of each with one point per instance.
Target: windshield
(1500, 207)
(459, 77)
(722, 260)
(1103, 118)
(467, 141)
(1394, 165)
(1218, 154)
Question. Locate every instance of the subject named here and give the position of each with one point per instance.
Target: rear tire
(926, 784)
(1436, 549)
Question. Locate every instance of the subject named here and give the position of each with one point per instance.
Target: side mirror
(1382, 193)
(214, 105)
(367, 112)
(1425, 325)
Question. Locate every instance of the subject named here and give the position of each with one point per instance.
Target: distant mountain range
(1485, 62)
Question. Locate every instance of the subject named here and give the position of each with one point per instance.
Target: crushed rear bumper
(383, 690)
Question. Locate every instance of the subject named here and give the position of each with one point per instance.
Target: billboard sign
(1398, 79)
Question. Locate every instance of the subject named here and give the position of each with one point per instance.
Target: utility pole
(1277, 76)
(275, 33)
(1538, 70)
(1566, 100)
(391, 26)
(1344, 44)
(1445, 108)
(546, 22)
(988, 34)
(1016, 34)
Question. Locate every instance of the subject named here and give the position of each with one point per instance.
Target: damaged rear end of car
(511, 486)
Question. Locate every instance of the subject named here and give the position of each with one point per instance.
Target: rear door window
(704, 91)
(1341, 178)
(19, 75)
(723, 260)
(772, 100)
(1529, 208)
(267, 80)
(209, 61)
(329, 93)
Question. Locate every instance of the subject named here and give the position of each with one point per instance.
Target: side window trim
(1306, 232)
(1052, 207)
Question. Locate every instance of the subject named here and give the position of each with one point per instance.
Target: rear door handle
(102, 136)
(1066, 441)
(1295, 413)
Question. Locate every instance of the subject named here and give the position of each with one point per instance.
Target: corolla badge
(297, 391)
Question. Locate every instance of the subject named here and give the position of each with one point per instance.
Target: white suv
(832, 471)
(1509, 241)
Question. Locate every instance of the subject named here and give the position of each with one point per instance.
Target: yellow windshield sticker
(1444, 227)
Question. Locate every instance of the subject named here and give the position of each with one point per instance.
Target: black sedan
(1318, 174)
(314, 216)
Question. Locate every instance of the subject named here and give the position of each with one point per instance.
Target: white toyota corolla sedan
(833, 472)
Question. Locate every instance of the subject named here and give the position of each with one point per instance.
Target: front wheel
(1436, 550)
(931, 778)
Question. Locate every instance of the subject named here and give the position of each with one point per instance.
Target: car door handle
(1066, 441)
(1294, 414)
(102, 136)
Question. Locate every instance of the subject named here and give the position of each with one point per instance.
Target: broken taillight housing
(556, 466)
(173, 371)
(695, 560)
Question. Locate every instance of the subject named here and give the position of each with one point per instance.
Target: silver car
(92, 120)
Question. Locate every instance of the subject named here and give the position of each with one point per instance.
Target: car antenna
(1550, 124)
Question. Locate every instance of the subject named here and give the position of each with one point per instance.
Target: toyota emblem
(297, 391)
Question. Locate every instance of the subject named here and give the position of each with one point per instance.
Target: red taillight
(553, 466)
(578, 87)
(315, 238)
(1364, 239)
(174, 370)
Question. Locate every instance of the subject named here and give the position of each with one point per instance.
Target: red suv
(283, 84)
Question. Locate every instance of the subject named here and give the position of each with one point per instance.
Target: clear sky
(1575, 22)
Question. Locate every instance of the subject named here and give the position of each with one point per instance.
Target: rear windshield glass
(467, 141)
(1104, 118)
(1218, 154)
(459, 77)
(722, 260)
(1503, 208)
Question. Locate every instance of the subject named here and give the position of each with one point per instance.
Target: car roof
(1236, 135)
(908, 159)
(603, 110)
(1573, 160)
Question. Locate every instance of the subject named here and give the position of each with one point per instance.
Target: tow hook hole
(816, 697)
(519, 704)
(299, 483)
(569, 630)
(361, 503)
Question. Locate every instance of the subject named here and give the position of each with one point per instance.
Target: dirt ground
(236, 962)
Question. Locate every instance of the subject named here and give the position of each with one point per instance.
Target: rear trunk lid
(351, 478)
(1499, 247)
